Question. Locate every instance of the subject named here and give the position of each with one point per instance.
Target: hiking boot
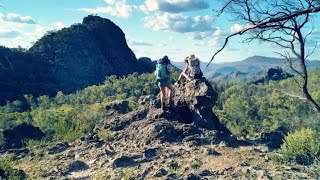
(163, 106)
(170, 102)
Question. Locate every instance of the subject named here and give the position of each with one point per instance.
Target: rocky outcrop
(193, 101)
(15, 138)
(274, 74)
(86, 53)
(274, 139)
(192, 104)
(121, 107)
(190, 119)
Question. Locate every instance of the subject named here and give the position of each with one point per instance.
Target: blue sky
(152, 27)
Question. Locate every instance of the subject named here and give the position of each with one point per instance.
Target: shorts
(164, 82)
(198, 76)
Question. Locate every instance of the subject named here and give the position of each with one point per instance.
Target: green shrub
(106, 135)
(6, 164)
(127, 173)
(302, 146)
(30, 143)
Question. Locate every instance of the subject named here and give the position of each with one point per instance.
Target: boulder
(193, 102)
(77, 166)
(121, 107)
(14, 138)
(274, 139)
(124, 161)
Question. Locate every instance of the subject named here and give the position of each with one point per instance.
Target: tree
(283, 23)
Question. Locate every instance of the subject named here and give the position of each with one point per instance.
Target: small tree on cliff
(284, 23)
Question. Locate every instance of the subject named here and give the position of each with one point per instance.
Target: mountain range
(254, 64)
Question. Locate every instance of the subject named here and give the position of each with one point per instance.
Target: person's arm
(183, 73)
(186, 76)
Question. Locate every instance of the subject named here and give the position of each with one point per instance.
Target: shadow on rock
(15, 138)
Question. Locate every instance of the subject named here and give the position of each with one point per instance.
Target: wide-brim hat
(191, 56)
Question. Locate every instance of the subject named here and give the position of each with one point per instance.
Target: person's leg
(163, 96)
(169, 90)
(169, 94)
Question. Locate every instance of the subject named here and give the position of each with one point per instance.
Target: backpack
(194, 67)
(161, 71)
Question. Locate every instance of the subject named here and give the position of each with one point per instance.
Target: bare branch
(313, 50)
(226, 42)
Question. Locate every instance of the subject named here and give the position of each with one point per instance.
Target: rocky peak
(86, 53)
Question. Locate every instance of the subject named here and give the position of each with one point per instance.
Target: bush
(6, 166)
(105, 135)
(302, 146)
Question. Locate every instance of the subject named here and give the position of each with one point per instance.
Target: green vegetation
(127, 173)
(302, 146)
(249, 109)
(6, 164)
(246, 109)
(68, 117)
(106, 135)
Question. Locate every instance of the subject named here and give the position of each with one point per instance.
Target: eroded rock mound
(193, 101)
(190, 119)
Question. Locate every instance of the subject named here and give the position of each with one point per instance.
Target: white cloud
(138, 43)
(58, 25)
(9, 30)
(17, 18)
(213, 42)
(219, 32)
(40, 31)
(111, 2)
(174, 6)
(197, 28)
(16, 33)
(118, 8)
(236, 28)
(9, 34)
(171, 38)
(162, 45)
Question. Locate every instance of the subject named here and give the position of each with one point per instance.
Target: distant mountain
(68, 60)
(250, 65)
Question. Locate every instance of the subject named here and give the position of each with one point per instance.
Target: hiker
(192, 69)
(164, 81)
